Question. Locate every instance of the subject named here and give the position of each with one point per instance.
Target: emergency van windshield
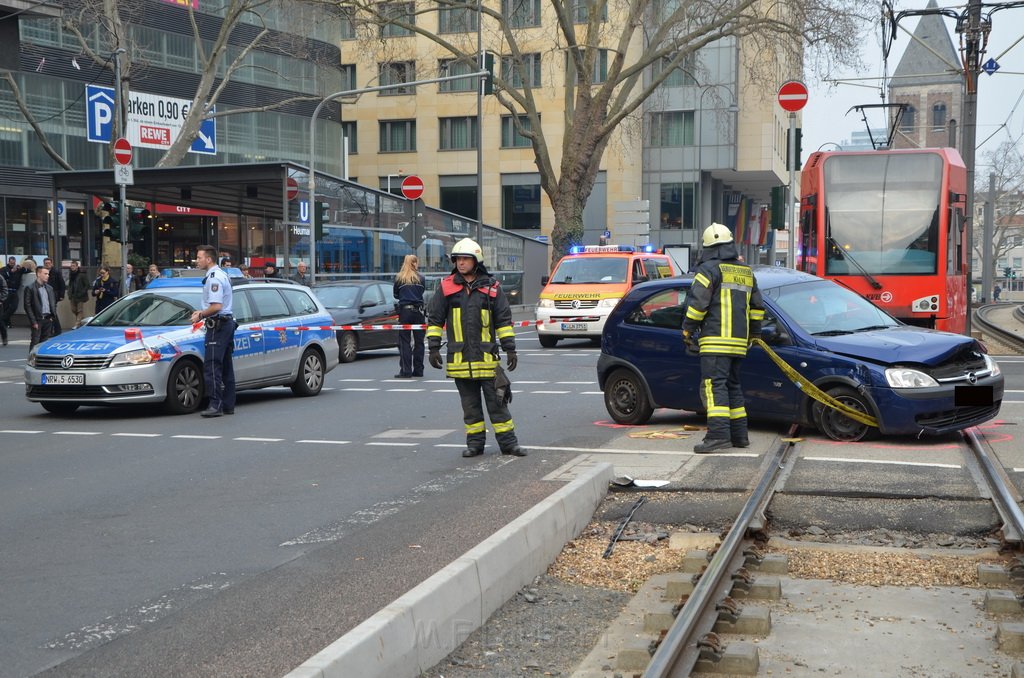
(581, 270)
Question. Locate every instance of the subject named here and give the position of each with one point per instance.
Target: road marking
(445, 390)
(77, 433)
(612, 450)
(192, 437)
(405, 390)
(548, 392)
(359, 380)
(138, 435)
(360, 389)
(12, 430)
(519, 381)
(325, 442)
(591, 392)
(393, 444)
(582, 383)
(890, 462)
(259, 440)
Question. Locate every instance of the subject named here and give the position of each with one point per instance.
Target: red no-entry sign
(293, 188)
(793, 96)
(123, 151)
(412, 187)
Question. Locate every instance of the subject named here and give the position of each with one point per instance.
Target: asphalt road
(135, 543)
(140, 544)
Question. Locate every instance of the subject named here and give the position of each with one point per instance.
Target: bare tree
(102, 28)
(635, 35)
(1007, 163)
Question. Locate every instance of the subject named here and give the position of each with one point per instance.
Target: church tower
(928, 80)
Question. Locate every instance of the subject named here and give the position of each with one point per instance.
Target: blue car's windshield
(824, 308)
(165, 309)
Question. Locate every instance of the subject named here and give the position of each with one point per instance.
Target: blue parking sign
(99, 113)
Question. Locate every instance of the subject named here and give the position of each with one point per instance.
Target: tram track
(991, 320)
(691, 640)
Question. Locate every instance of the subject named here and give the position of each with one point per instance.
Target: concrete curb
(425, 625)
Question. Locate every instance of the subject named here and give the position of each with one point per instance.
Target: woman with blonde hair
(409, 287)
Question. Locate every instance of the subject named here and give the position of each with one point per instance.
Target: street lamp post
(733, 108)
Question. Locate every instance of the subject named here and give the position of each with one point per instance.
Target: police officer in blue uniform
(220, 334)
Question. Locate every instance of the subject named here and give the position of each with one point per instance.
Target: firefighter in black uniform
(471, 304)
(723, 313)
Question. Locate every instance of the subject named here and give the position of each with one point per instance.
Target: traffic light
(111, 218)
(488, 65)
(138, 223)
(779, 207)
(321, 215)
(1007, 272)
(799, 142)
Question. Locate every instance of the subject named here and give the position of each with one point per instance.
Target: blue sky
(825, 117)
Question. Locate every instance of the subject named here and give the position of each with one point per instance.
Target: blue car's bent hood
(105, 340)
(903, 344)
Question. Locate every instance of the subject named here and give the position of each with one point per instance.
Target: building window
(348, 76)
(447, 67)
(520, 203)
(397, 136)
(395, 73)
(600, 73)
(403, 12)
(682, 75)
(510, 136)
(672, 129)
(458, 134)
(348, 24)
(907, 122)
(939, 116)
(581, 11)
(677, 205)
(348, 131)
(521, 13)
(458, 195)
(526, 74)
(663, 9)
(456, 19)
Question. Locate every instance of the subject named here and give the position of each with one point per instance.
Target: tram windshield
(882, 213)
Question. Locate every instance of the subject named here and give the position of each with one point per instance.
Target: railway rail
(690, 639)
(985, 320)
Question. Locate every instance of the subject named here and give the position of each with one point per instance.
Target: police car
(143, 349)
(586, 285)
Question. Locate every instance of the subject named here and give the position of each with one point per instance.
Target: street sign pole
(122, 207)
(791, 195)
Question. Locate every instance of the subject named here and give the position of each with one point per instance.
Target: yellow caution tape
(812, 390)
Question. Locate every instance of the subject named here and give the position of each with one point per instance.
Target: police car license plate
(63, 379)
(569, 327)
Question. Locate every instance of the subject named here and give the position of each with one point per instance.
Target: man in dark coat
(59, 289)
(12, 273)
(40, 307)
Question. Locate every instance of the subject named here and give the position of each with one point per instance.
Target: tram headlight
(903, 377)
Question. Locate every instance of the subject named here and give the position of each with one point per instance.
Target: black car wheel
(349, 346)
(63, 409)
(625, 398)
(184, 387)
(311, 374)
(547, 341)
(837, 425)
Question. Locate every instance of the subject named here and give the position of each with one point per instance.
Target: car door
(372, 310)
(767, 390)
(280, 345)
(249, 355)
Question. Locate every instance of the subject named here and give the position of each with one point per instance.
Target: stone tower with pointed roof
(928, 80)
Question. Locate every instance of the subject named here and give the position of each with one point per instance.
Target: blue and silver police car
(143, 349)
(912, 381)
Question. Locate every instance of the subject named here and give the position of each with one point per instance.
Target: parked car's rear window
(167, 308)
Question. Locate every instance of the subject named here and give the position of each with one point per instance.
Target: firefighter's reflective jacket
(723, 303)
(476, 317)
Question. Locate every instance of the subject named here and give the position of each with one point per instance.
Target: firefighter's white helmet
(716, 234)
(467, 247)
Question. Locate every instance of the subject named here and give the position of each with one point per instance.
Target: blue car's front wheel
(625, 398)
(837, 425)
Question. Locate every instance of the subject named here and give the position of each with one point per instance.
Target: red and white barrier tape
(520, 323)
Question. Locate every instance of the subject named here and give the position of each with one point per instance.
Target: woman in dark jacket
(409, 286)
(105, 288)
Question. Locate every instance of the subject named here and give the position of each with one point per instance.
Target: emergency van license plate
(63, 379)
(570, 327)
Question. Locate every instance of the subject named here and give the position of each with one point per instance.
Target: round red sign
(122, 151)
(412, 187)
(293, 189)
(793, 96)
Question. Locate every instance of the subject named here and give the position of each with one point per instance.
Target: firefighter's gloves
(690, 341)
(435, 358)
(511, 360)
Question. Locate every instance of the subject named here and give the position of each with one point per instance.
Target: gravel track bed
(550, 626)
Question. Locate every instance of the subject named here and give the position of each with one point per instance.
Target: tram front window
(882, 213)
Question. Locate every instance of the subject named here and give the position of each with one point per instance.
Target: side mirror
(772, 333)
(545, 279)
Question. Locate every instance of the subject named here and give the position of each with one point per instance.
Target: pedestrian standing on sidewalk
(3, 299)
(59, 290)
(12, 274)
(472, 308)
(105, 288)
(78, 290)
(40, 307)
(409, 288)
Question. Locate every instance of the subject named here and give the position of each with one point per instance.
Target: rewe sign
(154, 121)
